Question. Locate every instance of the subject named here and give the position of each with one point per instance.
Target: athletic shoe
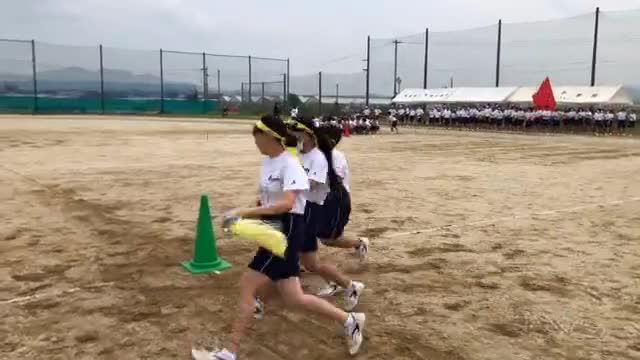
(258, 312)
(206, 355)
(363, 249)
(352, 296)
(330, 289)
(353, 330)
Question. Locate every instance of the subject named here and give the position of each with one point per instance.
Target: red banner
(543, 99)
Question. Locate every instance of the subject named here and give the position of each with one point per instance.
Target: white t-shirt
(281, 174)
(420, 112)
(317, 168)
(632, 117)
(341, 166)
(621, 115)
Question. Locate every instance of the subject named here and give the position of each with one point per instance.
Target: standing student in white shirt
(282, 186)
(621, 116)
(317, 161)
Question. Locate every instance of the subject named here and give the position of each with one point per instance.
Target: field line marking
(24, 299)
(504, 218)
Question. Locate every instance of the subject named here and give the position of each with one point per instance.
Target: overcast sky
(309, 32)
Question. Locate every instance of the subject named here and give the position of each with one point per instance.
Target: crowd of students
(598, 121)
(305, 193)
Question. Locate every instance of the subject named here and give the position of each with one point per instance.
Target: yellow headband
(260, 125)
(300, 126)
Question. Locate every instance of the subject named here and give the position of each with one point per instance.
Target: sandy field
(529, 245)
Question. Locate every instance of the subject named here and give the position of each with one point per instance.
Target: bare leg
(291, 292)
(250, 282)
(341, 243)
(328, 272)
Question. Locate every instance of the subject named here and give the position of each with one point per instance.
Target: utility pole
(395, 66)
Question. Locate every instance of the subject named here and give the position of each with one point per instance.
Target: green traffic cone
(205, 252)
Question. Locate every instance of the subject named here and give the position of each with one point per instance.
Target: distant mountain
(77, 79)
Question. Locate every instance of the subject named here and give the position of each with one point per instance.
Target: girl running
(317, 160)
(282, 186)
(337, 209)
(337, 206)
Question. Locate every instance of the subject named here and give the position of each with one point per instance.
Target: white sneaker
(352, 296)
(363, 249)
(207, 355)
(330, 289)
(258, 312)
(353, 330)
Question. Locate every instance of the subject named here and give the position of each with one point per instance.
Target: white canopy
(454, 95)
(613, 95)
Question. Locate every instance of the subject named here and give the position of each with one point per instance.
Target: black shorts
(337, 209)
(277, 268)
(394, 124)
(622, 124)
(313, 217)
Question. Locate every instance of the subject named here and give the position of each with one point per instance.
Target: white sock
(350, 321)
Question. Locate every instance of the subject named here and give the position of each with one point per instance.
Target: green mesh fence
(48, 105)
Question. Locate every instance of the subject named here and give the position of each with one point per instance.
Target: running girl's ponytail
(326, 145)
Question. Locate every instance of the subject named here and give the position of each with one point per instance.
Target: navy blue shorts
(337, 209)
(313, 215)
(277, 268)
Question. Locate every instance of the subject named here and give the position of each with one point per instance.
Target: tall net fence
(131, 80)
(226, 74)
(68, 72)
(559, 49)
(102, 79)
(16, 77)
(502, 54)
(619, 41)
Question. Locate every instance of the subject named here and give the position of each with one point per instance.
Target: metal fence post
(101, 80)
(35, 77)
(395, 67)
(499, 49)
(368, 70)
(285, 100)
(242, 92)
(594, 59)
(250, 81)
(205, 83)
(320, 93)
(426, 58)
(219, 90)
(288, 80)
(161, 84)
(262, 97)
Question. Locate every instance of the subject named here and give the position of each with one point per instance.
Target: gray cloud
(311, 33)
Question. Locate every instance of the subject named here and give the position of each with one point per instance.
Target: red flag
(543, 99)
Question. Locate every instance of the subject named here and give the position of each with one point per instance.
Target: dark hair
(326, 145)
(335, 134)
(290, 140)
(273, 123)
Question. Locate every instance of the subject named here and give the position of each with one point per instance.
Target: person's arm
(283, 206)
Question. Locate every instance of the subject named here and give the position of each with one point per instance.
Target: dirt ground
(530, 248)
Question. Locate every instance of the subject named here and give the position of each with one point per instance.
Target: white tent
(454, 95)
(603, 95)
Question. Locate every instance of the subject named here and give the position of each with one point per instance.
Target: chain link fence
(589, 49)
(38, 77)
